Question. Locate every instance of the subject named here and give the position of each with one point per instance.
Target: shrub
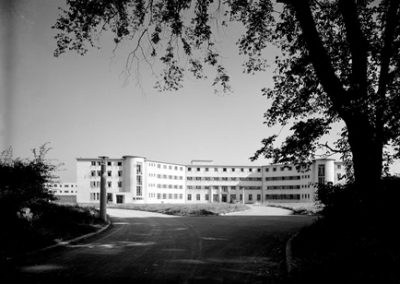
(22, 185)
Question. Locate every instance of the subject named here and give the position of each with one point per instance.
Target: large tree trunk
(367, 149)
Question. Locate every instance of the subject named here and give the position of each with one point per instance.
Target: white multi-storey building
(133, 179)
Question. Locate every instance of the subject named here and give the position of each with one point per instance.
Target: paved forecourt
(143, 247)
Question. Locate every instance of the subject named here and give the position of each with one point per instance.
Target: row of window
(224, 188)
(233, 197)
(284, 196)
(283, 187)
(170, 186)
(273, 169)
(225, 178)
(166, 195)
(225, 169)
(283, 178)
(166, 176)
(61, 191)
(98, 163)
(170, 167)
(109, 184)
(109, 173)
(61, 185)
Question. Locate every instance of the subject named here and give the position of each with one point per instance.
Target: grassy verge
(46, 225)
(298, 208)
(185, 209)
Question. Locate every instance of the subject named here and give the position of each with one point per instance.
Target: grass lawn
(301, 208)
(206, 209)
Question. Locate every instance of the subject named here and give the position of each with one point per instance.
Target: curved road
(150, 248)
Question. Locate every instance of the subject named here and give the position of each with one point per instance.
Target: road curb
(290, 260)
(67, 242)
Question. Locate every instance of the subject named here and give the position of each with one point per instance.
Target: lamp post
(103, 190)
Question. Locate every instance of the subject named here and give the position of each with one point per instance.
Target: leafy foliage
(23, 182)
(339, 62)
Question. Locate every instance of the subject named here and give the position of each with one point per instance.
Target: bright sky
(82, 106)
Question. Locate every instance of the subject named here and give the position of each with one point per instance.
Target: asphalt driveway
(149, 248)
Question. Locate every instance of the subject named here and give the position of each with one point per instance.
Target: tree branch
(319, 56)
(358, 47)
(326, 145)
(387, 50)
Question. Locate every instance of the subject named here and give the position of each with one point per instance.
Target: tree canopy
(339, 62)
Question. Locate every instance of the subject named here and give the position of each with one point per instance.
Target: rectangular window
(109, 173)
(119, 173)
(109, 183)
(250, 197)
(189, 169)
(108, 163)
(197, 196)
(224, 169)
(206, 169)
(258, 197)
(321, 170)
(120, 184)
(93, 173)
(206, 197)
(233, 187)
(93, 163)
(164, 196)
(119, 163)
(189, 197)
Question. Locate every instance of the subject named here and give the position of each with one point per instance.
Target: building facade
(65, 192)
(134, 179)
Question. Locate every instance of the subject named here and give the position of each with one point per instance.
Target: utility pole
(103, 190)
